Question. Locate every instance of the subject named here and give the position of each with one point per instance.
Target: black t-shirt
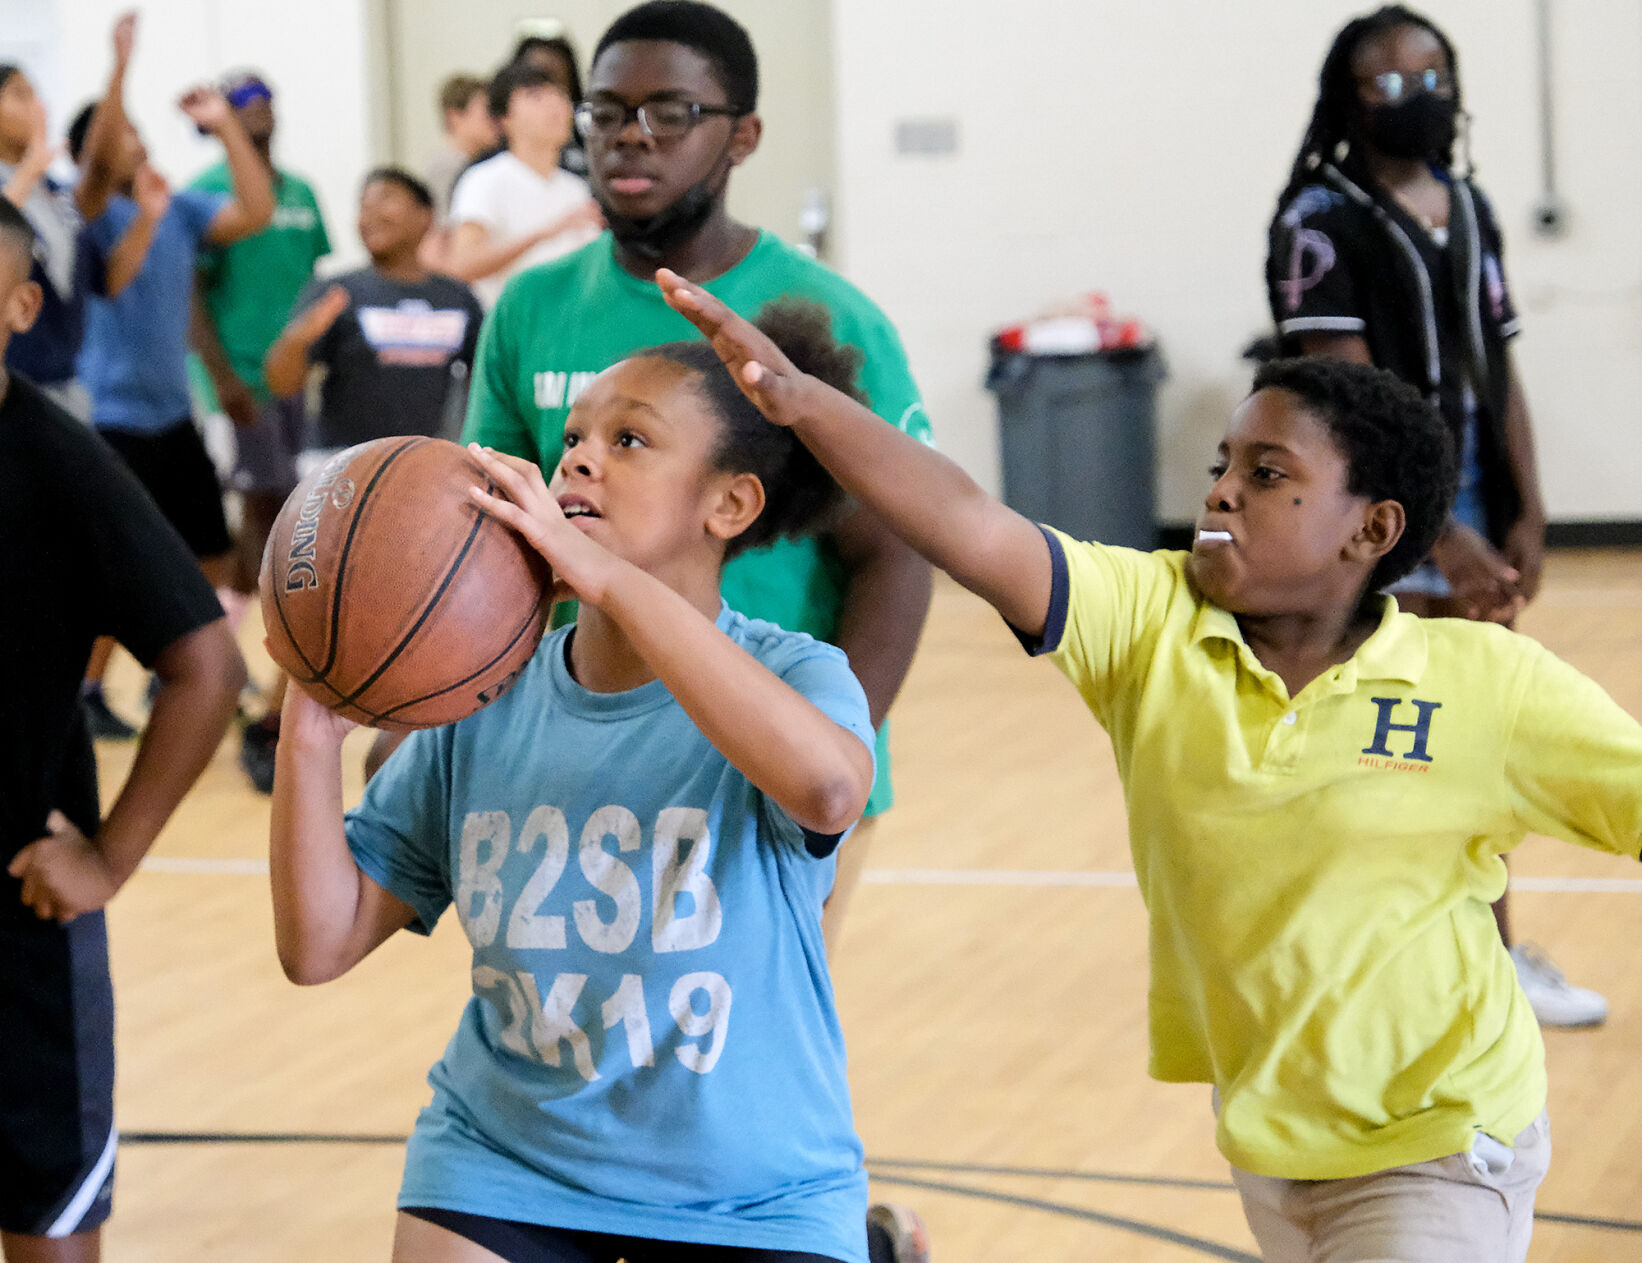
(398, 358)
(1344, 257)
(84, 553)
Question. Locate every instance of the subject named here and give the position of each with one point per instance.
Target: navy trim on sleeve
(1060, 589)
(821, 845)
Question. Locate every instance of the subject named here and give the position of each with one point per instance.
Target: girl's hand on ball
(527, 505)
(310, 724)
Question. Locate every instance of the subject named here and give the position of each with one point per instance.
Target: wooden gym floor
(992, 984)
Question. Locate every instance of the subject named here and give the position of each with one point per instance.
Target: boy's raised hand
(765, 375)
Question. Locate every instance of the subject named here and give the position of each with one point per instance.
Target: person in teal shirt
(245, 295)
(669, 115)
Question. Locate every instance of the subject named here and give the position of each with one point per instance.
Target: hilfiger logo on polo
(1415, 735)
(555, 389)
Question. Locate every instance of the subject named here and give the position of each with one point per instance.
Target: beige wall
(1138, 147)
(433, 38)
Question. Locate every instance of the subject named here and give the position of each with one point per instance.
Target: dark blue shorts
(533, 1243)
(56, 1075)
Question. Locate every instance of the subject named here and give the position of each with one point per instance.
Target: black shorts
(57, 1135)
(534, 1243)
(172, 464)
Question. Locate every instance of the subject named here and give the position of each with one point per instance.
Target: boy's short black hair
(420, 192)
(714, 34)
(16, 233)
(1396, 444)
(799, 494)
(513, 76)
(78, 129)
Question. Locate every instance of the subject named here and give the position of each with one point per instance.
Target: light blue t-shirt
(652, 1047)
(135, 355)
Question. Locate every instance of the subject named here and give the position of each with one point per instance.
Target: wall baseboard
(1600, 533)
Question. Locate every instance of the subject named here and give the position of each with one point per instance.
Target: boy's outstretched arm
(924, 497)
(328, 915)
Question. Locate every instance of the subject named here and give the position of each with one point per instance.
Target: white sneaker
(1555, 1001)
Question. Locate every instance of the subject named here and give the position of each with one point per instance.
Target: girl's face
(637, 472)
(21, 112)
(1397, 64)
(1278, 532)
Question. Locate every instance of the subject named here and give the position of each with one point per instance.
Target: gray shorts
(266, 460)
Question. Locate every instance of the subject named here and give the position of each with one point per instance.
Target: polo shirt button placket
(1286, 742)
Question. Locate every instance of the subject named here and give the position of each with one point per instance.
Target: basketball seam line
(524, 629)
(347, 547)
(427, 613)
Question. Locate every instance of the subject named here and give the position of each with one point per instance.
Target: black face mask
(669, 227)
(1422, 127)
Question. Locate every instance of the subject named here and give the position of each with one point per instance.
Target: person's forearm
(108, 125)
(471, 260)
(315, 882)
(818, 772)
(285, 367)
(26, 177)
(932, 504)
(251, 179)
(125, 260)
(202, 334)
(201, 675)
(1519, 448)
(885, 604)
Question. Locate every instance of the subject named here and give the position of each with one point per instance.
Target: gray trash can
(1078, 440)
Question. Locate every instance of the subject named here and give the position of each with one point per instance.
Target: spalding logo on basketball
(390, 598)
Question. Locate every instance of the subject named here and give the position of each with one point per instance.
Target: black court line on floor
(876, 1168)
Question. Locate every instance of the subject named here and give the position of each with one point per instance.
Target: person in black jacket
(1384, 251)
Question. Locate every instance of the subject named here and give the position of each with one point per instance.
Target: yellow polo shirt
(1318, 869)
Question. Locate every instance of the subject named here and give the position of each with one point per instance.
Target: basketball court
(992, 985)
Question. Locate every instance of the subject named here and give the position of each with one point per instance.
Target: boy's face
(21, 112)
(632, 174)
(538, 114)
(1278, 532)
(390, 219)
(471, 128)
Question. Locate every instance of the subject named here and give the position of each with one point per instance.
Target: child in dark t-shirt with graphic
(396, 341)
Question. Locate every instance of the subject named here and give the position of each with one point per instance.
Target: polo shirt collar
(1396, 650)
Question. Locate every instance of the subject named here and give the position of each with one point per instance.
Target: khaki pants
(1474, 1207)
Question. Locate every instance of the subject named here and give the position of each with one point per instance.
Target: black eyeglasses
(662, 120)
(1394, 86)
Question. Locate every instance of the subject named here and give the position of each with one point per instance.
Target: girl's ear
(735, 505)
(1382, 527)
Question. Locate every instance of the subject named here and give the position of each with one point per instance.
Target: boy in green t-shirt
(244, 297)
(669, 114)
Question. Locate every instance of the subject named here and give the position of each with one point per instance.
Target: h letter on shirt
(1421, 728)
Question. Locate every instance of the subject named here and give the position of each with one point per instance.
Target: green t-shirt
(251, 286)
(557, 326)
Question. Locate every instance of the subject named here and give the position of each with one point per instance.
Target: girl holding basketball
(637, 839)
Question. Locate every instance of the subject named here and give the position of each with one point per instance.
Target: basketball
(393, 600)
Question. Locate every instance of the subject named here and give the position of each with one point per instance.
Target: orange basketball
(389, 597)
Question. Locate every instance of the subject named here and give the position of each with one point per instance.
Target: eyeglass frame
(1429, 81)
(582, 116)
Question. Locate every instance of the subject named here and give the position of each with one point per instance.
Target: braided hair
(1330, 125)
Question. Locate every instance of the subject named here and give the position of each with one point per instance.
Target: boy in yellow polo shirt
(1320, 790)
